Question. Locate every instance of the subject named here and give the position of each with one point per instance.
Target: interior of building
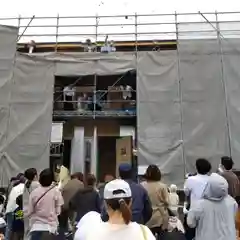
(105, 104)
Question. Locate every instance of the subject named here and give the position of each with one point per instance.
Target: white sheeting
(8, 36)
(57, 132)
(193, 114)
(26, 94)
(188, 103)
(159, 122)
(30, 113)
(73, 64)
(77, 151)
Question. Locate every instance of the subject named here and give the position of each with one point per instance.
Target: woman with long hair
(159, 196)
(30, 184)
(118, 200)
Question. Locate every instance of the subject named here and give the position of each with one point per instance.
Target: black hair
(125, 175)
(78, 175)
(227, 162)
(46, 177)
(203, 166)
(2, 199)
(91, 180)
(30, 174)
(20, 175)
(122, 205)
(153, 173)
(19, 201)
(3, 190)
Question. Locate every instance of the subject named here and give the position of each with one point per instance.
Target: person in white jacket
(85, 225)
(173, 199)
(214, 215)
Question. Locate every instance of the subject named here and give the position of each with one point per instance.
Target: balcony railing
(94, 106)
(137, 27)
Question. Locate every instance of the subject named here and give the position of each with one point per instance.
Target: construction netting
(187, 102)
(188, 106)
(26, 93)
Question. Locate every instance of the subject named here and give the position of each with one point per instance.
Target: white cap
(173, 188)
(115, 185)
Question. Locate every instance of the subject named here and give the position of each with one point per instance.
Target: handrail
(134, 27)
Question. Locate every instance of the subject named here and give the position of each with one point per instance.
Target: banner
(57, 133)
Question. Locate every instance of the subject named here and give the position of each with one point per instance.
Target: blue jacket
(141, 205)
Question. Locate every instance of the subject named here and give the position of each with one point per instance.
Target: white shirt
(194, 187)
(108, 48)
(69, 91)
(84, 226)
(173, 201)
(126, 92)
(43, 227)
(15, 192)
(133, 231)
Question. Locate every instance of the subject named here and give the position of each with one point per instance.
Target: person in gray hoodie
(214, 215)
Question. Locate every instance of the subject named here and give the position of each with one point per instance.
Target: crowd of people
(36, 207)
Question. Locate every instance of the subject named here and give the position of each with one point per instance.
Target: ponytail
(28, 184)
(122, 205)
(30, 174)
(125, 210)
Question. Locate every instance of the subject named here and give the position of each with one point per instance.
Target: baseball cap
(111, 189)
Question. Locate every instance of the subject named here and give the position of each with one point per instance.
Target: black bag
(174, 235)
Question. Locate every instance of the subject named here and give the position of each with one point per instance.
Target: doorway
(67, 153)
(112, 151)
(106, 156)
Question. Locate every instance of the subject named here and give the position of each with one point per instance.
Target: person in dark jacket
(87, 199)
(232, 179)
(141, 204)
(68, 192)
(18, 223)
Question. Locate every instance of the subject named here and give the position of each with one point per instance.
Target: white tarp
(26, 94)
(80, 64)
(8, 36)
(231, 72)
(57, 132)
(159, 122)
(205, 129)
(30, 114)
(188, 106)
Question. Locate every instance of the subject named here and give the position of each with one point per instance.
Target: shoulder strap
(143, 232)
(43, 196)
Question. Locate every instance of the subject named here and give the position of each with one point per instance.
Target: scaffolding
(121, 28)
(155, 30)
(212, 36)
(91, 101)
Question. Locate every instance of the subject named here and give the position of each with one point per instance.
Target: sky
(27, 8)
(91, 7)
